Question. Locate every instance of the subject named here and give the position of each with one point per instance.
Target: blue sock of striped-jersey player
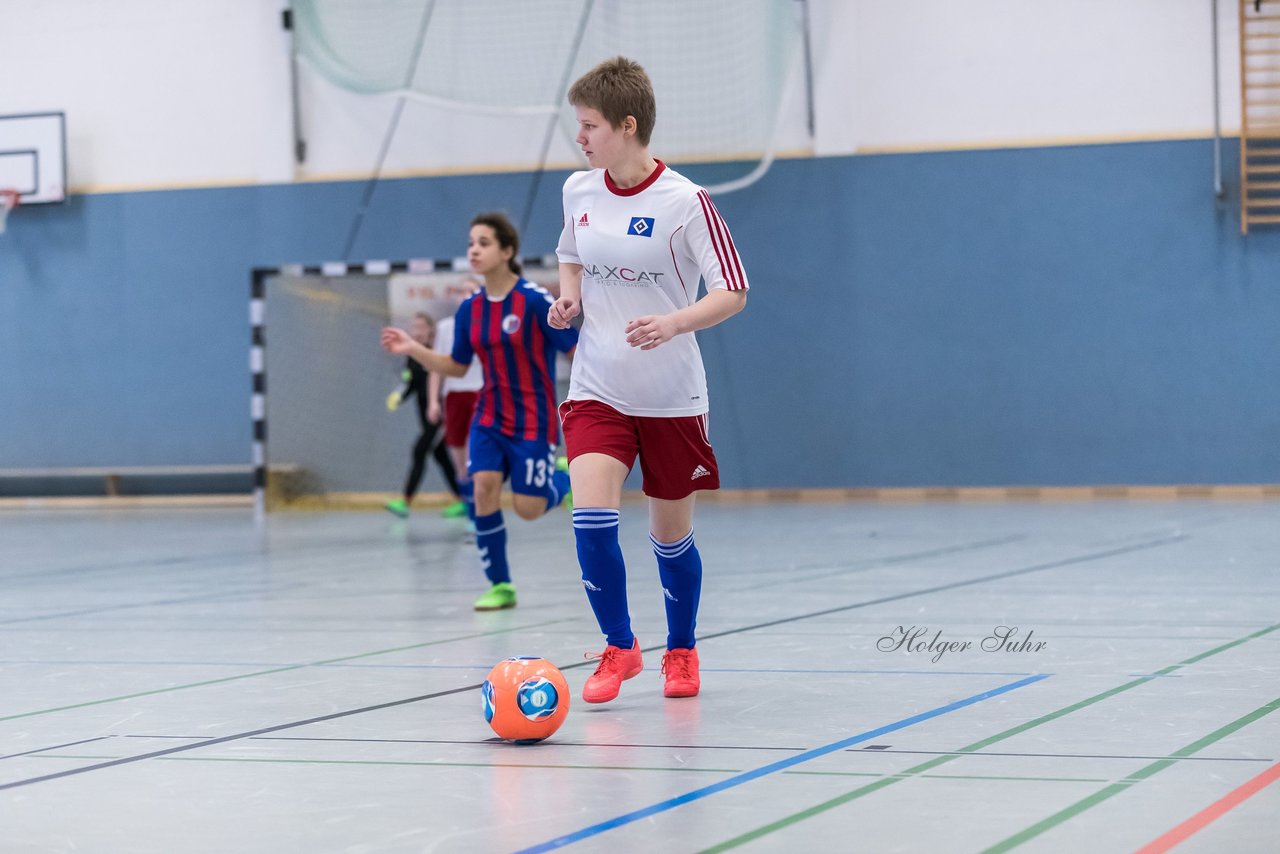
(558, 488)
(491, 540)
(467, 491)
(604, 574)
(680, 568)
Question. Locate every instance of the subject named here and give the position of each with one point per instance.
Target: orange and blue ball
(525, 699)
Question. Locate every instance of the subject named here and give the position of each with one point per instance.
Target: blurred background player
(637, 237)
(456, 397)
(423, 330)
(514, 430)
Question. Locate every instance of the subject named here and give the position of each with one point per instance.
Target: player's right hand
(562, 311)
(433, 412)
(393, 401)
(396, 341)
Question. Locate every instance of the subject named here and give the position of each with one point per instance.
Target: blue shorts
(529, 463)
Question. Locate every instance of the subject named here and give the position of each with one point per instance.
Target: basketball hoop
(8, 201)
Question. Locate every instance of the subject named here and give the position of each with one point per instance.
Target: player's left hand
(396, 341)
(651, 330)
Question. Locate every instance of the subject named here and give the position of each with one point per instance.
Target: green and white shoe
(500, 596)
(562, 464)
(454, 510)
(398, 507)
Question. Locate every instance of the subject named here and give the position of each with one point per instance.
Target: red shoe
(616, 664)
(681, 668)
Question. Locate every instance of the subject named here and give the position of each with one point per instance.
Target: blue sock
(604, 574)
(557, 489)
(468, 492)
(491, 540)
(680, 568)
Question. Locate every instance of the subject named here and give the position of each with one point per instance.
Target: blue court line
(774, 767)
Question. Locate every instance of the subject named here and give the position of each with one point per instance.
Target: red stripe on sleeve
(717, 242)
(733, 250)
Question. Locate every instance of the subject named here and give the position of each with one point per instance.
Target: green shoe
(398, 507)
(562, 464)
(501, 595)
(454, 510)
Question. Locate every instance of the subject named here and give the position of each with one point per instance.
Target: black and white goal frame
(258, 331)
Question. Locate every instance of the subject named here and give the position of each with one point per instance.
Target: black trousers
(427, 444)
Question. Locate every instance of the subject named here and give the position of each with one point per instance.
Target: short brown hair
(618, 88)
(508, 237)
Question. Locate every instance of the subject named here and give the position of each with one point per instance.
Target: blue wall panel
(1073, 315)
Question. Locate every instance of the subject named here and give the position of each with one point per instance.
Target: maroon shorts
(675, 453)
(459, 406)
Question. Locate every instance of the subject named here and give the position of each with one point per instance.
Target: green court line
(817, 809)
(1133, 779)
(284, 669)
(955, 777)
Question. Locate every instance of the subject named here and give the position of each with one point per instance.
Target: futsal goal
(322, 434)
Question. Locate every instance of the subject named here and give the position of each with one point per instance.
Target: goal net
(720, 68)
(324, 435)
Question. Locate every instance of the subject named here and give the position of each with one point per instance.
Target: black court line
(490, 740)
(56, 746)
(881, 562)
(422, 697)
(860, 564)
(1081, 756)
(239, 556)
(877, 748)
(176, 600)
(1013, 573)
(209, 742)
(558, 742)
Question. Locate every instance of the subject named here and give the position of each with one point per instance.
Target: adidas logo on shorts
(700, 471)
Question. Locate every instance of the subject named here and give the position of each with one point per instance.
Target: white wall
(157, 92)
(940, 73)
(163, 93)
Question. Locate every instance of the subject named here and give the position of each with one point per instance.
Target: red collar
(643, 185)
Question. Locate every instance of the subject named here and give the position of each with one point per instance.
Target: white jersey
(642, 251)
(473, 379)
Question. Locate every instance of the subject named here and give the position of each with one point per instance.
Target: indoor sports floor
(185, 680)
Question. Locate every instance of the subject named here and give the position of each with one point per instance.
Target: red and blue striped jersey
(517, 349)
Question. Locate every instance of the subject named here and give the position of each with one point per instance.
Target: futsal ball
(525, 699)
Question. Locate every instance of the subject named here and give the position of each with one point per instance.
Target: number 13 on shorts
(538, 472)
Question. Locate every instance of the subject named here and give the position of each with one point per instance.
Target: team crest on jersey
(641, 226)
(511, 324)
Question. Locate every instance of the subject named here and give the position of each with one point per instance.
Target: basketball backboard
(33, 157)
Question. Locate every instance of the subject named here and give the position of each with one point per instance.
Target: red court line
(1212, 813)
